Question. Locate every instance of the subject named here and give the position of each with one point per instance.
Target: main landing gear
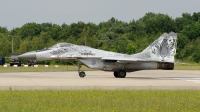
(81, 73)
(120, 74)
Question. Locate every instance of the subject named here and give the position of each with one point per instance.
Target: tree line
(112, 35)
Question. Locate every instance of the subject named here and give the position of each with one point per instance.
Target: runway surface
(146, 79)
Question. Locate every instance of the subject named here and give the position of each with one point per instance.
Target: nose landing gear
(81, 73)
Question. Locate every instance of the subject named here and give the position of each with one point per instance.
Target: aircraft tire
(122, 74)
(82, 74)
(11, 64)
(116, 74)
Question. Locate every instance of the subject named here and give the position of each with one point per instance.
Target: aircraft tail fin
(163, 49)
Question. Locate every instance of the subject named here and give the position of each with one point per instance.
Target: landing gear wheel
(121, 74)
(11, 64)
(82, 74)
(116, 74)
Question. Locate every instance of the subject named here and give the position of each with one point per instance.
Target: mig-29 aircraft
(158, 55)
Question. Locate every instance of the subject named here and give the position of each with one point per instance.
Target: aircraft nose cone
(28, 55)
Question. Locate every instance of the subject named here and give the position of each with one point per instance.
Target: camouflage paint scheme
(158, 55)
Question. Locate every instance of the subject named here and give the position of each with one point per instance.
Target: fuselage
(92, 58)
(158, 55)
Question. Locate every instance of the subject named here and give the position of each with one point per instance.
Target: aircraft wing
(127, 60)
(73, 56)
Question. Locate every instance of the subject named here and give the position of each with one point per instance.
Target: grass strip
(42, 68)
(187, 67)
(100, 100)
(52, 68)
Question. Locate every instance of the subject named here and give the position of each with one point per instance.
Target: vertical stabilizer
(163, 49)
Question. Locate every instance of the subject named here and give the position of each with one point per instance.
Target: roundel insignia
(93, 62)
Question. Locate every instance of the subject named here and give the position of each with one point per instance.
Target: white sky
(16, 13)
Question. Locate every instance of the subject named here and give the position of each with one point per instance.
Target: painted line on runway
(195, 80)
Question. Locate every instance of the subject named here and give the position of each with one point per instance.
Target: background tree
(112, 35)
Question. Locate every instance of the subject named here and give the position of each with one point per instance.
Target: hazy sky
(15, 13)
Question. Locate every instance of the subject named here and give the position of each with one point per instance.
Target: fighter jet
(158, 55)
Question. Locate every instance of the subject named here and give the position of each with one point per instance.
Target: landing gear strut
(120, 74)
(81, 73)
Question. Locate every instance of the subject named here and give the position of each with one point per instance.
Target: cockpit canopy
(61, 45)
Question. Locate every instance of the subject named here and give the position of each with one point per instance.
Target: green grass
(187, 67)
(100, 100)
(52, 68)
(42, 68)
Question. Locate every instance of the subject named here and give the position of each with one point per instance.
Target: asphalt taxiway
(146, 79)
